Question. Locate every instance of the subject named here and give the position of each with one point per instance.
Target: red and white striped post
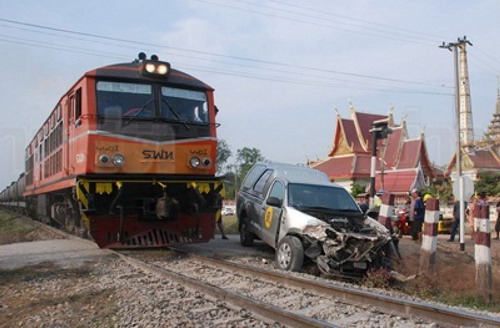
(429, 236)
(482, 250)
(386, 210)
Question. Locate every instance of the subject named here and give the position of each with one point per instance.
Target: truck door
(271, 213)
(258, 193)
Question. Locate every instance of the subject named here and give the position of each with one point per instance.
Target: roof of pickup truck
(299, 174)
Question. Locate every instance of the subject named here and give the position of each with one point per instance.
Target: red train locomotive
(127, 156)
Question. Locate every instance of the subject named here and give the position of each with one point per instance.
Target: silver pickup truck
(301, 214)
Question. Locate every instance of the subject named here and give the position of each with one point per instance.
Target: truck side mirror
(274, 201)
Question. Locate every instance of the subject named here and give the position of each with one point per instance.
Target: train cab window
(71, 107)
(78, 103)
(184, 105)
(120, 99)
(58, 113)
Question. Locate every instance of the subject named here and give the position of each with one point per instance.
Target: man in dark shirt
(418, 210)
(365, 204)
(456, 218)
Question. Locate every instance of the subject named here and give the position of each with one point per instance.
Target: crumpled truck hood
(339, 244)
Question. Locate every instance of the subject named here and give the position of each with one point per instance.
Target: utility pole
(453, 46)
(380, 130)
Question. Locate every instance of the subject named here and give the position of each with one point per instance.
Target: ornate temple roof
(349, 157)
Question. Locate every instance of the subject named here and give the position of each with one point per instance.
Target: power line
(373, 26)
(495, 69)
(315, 23)
(435, 38)
(489, 55)
(262, 61)
(221, 72)
(183, 55)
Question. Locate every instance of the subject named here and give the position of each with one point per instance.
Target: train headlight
(104, 159)
(194, 162)
(162, 69)
(150, 68)
(156, 68)
(118, 160)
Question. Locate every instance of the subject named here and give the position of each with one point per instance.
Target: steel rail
(388, 304)
(440, 314)
(265, 310)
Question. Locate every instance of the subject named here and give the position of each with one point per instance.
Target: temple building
(484, 156)
(402, 163)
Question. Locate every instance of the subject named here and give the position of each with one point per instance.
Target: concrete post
(429, 236)
(482, 250)
(386, 210)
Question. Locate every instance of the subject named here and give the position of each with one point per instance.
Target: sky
(281, 69)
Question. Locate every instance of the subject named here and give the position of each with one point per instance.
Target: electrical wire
(344, 21)
(87, 51)
(315, 23)
(261, 61)
(435, 38)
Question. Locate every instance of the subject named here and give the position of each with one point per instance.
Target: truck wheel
(290, 254)
(246, 237)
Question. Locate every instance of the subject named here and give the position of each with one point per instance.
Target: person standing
(365, 204)
(478, 201)
(456, 218)
(418, 211)
(497, 223)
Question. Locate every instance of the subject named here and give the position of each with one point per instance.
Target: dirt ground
(40, 295)
(453, 280)
(47, 295)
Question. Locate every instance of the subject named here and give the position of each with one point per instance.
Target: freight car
(126, 156)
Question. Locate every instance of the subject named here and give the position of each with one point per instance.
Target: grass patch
(230, 223)
(13, 230)
(45, 270)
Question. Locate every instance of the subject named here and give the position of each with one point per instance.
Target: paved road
(64, 252)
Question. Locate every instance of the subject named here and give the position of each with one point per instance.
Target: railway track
(293, 301)
(326, 304)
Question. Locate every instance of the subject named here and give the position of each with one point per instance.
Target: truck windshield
(120, 99)
(303, 196)
(184, 105)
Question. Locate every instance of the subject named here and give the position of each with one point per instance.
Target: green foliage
(357, 189)
(379, 278)
(441, 191)
(223, 154)
(488, 183)
(229, 184)
(245, 159)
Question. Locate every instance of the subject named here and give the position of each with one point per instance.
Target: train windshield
(121, 99)
(184, 105)
(134, 100)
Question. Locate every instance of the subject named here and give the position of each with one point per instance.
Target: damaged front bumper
(347, 248)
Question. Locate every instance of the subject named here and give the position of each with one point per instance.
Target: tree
(223, 154)
(488, 183)
(230, 183)
(357, 189)
(245, 159)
